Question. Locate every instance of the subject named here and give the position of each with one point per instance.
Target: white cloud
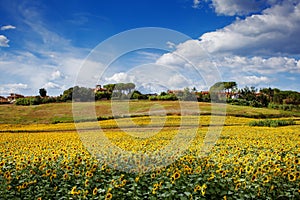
(120, 78)
(271, 65)
(46, 59)
(254, 80)
(5, 89)
(55, 75)
(51, 85)
(240, 7)
(3, 41)
(196, 3)
(236, 7)
(7, 27)
(276, 30)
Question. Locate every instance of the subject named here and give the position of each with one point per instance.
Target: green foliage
(43, 92)
(29, 101)
(138, 95)
(167, 97)
(102, 95)
(83, 94)
(272, 123)
(186, 95)
(285, 107)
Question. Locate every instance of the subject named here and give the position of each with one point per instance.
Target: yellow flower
(253, 177)
(153, 175)
(73, 191)
(266, 179)
(203, 188)
(95, 191)
(223, 173)
(292, 177)
(86, 183)
(66, 176)
(176, 175)
(108, 196)
(212, 176)
(198, 187)
(237, 186)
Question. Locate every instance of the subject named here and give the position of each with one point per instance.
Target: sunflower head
(176, 175)
(108, 196)
(292, 177)
(95, 190)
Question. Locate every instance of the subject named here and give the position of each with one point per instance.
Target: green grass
(63, 112)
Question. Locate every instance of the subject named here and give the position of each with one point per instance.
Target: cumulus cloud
(237, 7)
(3, 41)
(255, 50)
(121, 77)
(260, 65)
(254, 80)
(7, 27)
(276, 30)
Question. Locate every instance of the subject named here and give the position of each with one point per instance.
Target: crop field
(58, 161)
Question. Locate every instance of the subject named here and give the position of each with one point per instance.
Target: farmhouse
(99, 89)
(3, 100)
(13, 96)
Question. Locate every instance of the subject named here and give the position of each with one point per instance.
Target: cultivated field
(41, 158)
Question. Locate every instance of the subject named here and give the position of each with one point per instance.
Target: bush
(272, 123)
(168, 97)
(23, 101)
(286, 107)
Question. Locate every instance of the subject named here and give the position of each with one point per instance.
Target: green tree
(43, 92)
(67, 95)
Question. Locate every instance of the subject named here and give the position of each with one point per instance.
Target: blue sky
(49, 43)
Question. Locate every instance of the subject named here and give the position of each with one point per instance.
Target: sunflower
(95, 190)
(108, 196)
(203, 188)
(266, 179)
(73, 191)
(66, 176)
(86, 183)
(223, 173)
(198, 187)
(77, 173)
(237, 186)
(253, 177)
(176, 175)
(153, 175)
(292, 177)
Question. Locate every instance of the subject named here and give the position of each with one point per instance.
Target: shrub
(272, 123)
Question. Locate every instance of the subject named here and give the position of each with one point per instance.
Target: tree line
(222, 92)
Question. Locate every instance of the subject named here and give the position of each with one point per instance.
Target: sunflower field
(51, 161)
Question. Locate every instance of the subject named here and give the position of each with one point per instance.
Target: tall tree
(43, 92)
